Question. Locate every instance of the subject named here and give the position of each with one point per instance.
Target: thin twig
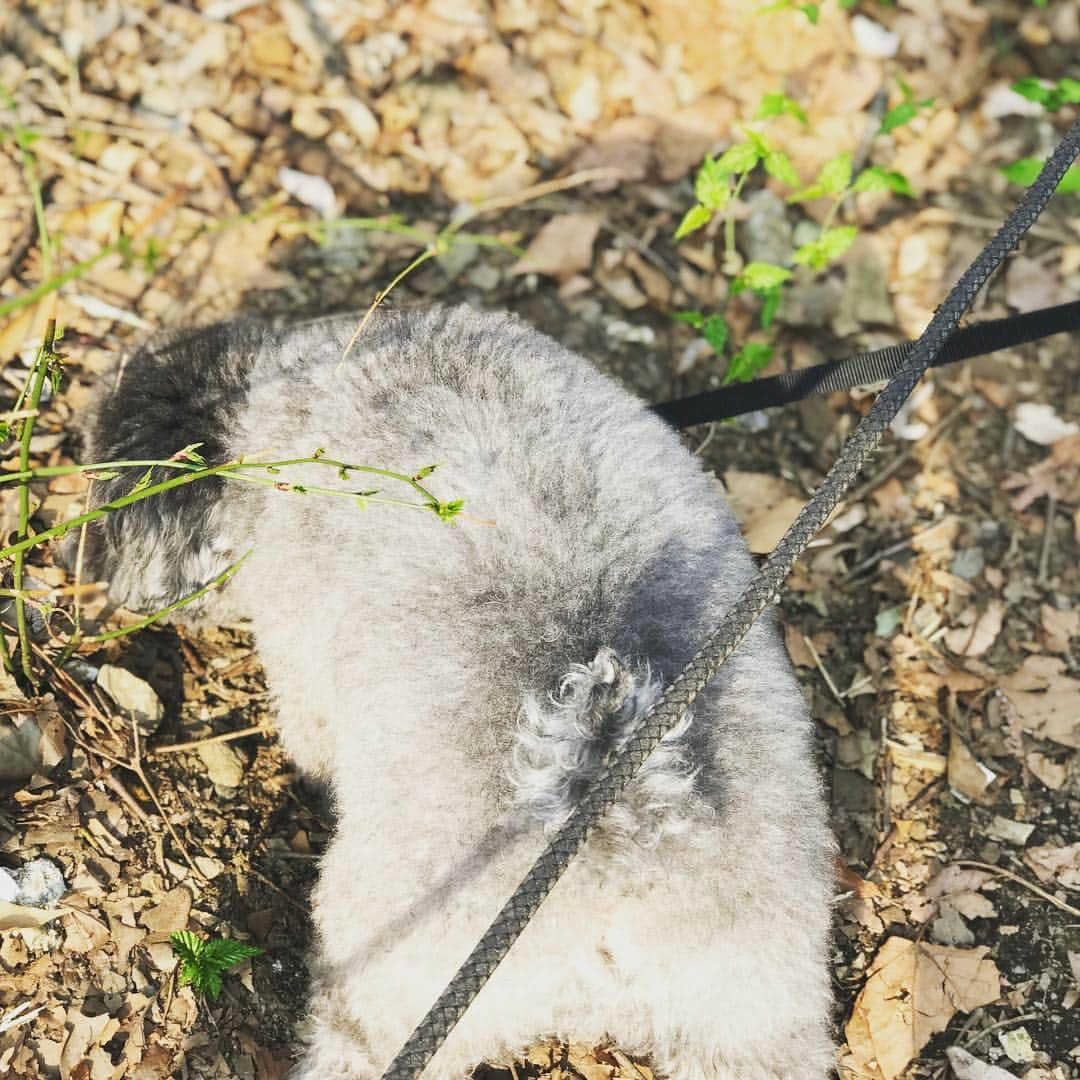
(545, 187)
(823, 670)
(1008, 1022)
(227, 736)
(1049, 897)
(36, 381)
(1047, 539)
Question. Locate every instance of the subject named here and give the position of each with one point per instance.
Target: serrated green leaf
(210, 984)
(760, 276)
(748, 361)
(711, 188)
(778, 164)
(223, 953)
(692, 220)
(835, 174)
(186, 945)
(741, 157)
(715, 332)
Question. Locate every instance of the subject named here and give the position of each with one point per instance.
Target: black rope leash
(866, 368)
(703, 668)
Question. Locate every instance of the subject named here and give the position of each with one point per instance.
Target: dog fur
(459, 685)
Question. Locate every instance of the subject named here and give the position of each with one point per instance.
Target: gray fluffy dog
(458, 685)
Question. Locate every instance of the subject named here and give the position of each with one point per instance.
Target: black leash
(703, 668)
(866, 368)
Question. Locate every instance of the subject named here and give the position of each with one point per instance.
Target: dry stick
(134, 765)
(546, 187)
(1049, 897)
(1048, 539)
(444, 239)
(227, 736)
(822, 669)
(45, 356)
(1008, 1022)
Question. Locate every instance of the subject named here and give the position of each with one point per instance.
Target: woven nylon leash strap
(866, 368)
(703, 668)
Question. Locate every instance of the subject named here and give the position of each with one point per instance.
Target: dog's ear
(174, 393)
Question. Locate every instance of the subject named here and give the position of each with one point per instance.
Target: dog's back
(459, 686)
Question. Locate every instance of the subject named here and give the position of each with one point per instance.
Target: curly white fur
(459, 686)
(561, 748)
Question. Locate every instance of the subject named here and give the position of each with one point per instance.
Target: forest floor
(187, 159)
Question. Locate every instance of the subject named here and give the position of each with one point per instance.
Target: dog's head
(176, 391)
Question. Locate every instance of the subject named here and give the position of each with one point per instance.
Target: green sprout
(203, 962)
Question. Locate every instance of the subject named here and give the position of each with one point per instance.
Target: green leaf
(830, 245)
(835, 174)
(814, 191)
(1023, 171)
(811, 11)
(223, 953)
(188, 453)
(187, 946)
(447, 511)
(142, 483)
(691, 318)
(770, 306)
(875, 178)
(715, 332)
(778, 104)
(898, 116)
(778, 164)
(1070, 182)
(711, 188)
(834, 242)
(1064, 91)
(1032, 89)
(761, 276)
(748, 361)
(741, 157)
(692, 220)
(427, 470)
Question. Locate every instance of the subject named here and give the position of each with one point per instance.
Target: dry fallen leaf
(967, 1067)
(968, 776)
(1060, 864)
(912, 992)
(562, 247)
(21, 917)
(976, 639)
(1039, 423)
(765, 506)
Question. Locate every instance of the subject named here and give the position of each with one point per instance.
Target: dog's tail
(563, 743)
